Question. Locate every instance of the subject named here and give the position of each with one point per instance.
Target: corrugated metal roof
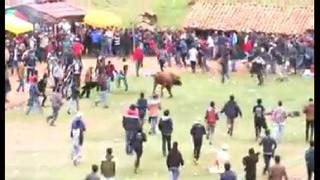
(241, 17)
(58, 9)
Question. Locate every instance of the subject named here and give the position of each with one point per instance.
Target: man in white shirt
(211, 46)
(57, 74)
(193, 54)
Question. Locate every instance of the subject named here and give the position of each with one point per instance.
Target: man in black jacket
(131, 125)
(197, 132)
(259, 119)
(250, 163)
(232, 111)
(42, 85)
(137, 144)
(166, 127)
(174, 160)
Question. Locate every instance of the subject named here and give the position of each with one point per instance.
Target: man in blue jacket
(131, 125)
(228, 174)
(166, 127)
(309, 157)
(30, 63)
(34, 94)
(142, 106)
(232, 111)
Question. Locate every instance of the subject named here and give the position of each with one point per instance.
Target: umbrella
(101, 19)
(16, 13)
(16, 25)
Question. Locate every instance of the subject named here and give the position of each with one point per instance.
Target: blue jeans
(129, 136)
(33, 102)
(174, 173)
(154, 122)
(142, 114)
(277, 131)
(109, 44)
(103, 98)
(104, 49)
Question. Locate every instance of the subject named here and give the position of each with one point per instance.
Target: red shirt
(169, 47)
(110, 69)
(77, 48)
(137, 55)
(247, 47)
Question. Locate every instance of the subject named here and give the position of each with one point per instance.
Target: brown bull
(166, 80)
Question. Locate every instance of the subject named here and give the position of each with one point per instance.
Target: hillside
(170, 12)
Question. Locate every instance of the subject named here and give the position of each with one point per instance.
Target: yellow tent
(101, 19)
(16, 25)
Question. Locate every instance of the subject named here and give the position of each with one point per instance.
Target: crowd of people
(134, 122)
(62, 53)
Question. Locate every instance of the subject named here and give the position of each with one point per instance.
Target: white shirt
(193, 54)
(57, 72)
(210, 42)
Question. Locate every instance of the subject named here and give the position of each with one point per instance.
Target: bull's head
(177, 81)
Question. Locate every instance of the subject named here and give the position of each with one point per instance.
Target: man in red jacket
(211, 117)
(110, 69)
(137, 56)
(77, 49)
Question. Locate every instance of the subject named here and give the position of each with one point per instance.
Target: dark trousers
(129, 136)
(310, 172)
(230, 122)
(43, 94)
(260, 77)
(197, 143)
(267, 159)
(166, 141)
(138, 157)
(161, 63)
(193, 66)
(224, 72)
(259, 123)
(138, 66)
(56, 82)
(86, 90)
(183, 58)
(251, 176)
(309, 125)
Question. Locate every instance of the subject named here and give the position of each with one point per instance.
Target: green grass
(171, 13)
(32, 153)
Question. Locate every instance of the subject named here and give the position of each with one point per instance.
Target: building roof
(208, 15)
(58, 10)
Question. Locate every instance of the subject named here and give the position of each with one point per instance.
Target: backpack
(211, 116)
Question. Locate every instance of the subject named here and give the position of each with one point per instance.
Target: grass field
(171, 13)
(35, 151)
